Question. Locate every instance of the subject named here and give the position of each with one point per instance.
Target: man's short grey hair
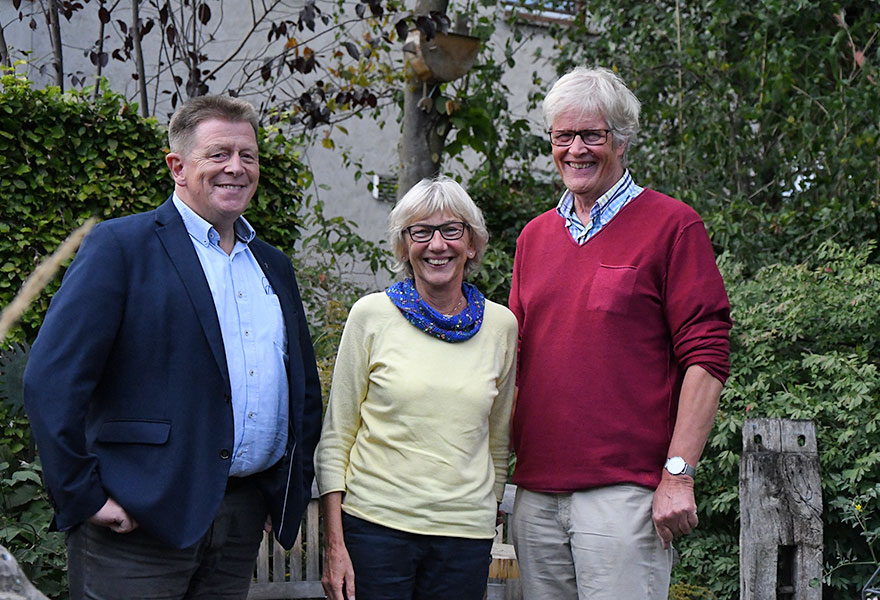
(182, 128)
(595, 91)
(427, 197)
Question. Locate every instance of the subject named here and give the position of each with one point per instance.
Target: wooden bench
(282, 574)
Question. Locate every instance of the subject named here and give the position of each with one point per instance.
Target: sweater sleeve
(696, 304)
(499, 417)
(350, 382)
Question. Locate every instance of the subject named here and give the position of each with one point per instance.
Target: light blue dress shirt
(608, 205)
(254, 339)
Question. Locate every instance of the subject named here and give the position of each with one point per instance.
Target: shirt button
(251, 372)
(247, 332)
(225, 454)
(240, 294)
(250, 415)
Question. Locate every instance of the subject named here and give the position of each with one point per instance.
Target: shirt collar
(203, 232)
(565, 207)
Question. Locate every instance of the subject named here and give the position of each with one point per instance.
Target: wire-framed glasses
(590, 137)
(453, 230)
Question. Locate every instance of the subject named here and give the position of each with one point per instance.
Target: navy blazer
(127, 387)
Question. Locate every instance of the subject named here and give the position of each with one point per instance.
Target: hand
(338, 573)
(114, 517)
(674, 507)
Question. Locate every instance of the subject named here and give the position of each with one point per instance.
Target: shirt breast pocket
(612, 288)
(278, 331)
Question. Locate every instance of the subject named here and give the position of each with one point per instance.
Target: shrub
(804, 346)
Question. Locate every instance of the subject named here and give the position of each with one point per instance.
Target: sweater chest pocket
(612, 288)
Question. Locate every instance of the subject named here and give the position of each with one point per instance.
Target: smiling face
(438, 265)
(219, 175)
(588, 171)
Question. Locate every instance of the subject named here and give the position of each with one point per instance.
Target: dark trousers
(103, 565)
(395, 565)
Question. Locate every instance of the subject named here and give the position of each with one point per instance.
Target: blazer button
(225, 454)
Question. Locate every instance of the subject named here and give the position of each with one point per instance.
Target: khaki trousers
(596, 544)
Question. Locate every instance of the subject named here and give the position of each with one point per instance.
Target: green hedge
(62, 160)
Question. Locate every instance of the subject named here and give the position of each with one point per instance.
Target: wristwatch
(677, 466)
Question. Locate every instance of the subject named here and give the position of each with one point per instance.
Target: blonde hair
(427, 197)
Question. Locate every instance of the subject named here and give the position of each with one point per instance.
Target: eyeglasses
(590, 137)
(452, 230)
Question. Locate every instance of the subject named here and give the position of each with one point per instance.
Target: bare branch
(244, 40)
(4, 50)
(55, 37)
(139, 56)
(99, 50)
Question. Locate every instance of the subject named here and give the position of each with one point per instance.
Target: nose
(234, 165)
(578, 146)
(437, 242)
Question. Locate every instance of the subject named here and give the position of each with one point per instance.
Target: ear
(175, 165)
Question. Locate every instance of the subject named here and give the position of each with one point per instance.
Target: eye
(420, 232)
(452, 230)
(563, 137)
(590, 135)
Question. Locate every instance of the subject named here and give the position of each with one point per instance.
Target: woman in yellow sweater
(413, 454)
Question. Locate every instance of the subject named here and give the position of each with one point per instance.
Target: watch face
(675, 465)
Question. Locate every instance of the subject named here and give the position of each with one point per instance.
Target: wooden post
(780, 511)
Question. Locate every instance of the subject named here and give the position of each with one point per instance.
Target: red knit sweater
(607, 331)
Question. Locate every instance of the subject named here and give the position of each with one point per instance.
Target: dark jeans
(103, 565)
(395, 565)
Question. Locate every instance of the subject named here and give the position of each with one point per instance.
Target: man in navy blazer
(172, 389)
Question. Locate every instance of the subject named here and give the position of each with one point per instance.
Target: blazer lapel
(174, 237)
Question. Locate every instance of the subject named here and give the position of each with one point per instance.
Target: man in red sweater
(624, 346)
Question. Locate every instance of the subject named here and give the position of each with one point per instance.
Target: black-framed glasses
(590, 137)
(453, 230)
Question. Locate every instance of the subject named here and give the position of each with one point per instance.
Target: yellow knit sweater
(417, 429)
